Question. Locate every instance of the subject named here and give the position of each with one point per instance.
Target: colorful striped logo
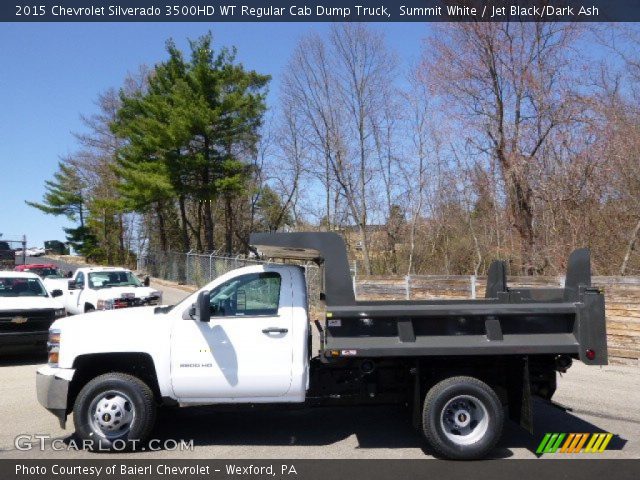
(574, 443)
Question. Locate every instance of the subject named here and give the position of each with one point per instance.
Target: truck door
(75, 296)
(246, 349)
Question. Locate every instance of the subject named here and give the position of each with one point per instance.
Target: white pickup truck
(107, 288)
(460, 365)
(27, 310)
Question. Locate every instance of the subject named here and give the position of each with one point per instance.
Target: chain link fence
(198, 269)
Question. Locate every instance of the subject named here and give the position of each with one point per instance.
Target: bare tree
(94, 162)
(414, 170)
(337, 84)
(507, 82)
(287, 174)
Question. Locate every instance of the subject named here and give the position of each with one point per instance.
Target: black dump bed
(569, 320)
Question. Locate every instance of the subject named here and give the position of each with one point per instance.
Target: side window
(80, 280)
(247, 295)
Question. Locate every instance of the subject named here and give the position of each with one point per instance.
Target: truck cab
(254, 344)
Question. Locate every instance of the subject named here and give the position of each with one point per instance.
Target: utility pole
(24, 249)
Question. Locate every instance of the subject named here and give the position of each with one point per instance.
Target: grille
(37, 320)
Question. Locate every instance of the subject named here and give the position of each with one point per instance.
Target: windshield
(21, 287)
(45, 272)
(98, 280)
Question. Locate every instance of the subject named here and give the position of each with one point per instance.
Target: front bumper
(52, 386)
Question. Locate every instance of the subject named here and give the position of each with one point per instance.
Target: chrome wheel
(111, 414)
(464, 420)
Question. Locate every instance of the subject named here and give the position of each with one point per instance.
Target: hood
(29, 303)
(118, 292)
(93, 319)
(56, 283)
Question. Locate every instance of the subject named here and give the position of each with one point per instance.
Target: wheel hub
(111, 414)
(464, 420)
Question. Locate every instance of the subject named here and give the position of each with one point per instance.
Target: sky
(50, 74)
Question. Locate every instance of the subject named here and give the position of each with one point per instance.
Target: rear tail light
(591, 354)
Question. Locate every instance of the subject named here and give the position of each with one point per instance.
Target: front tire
(114, 411)
(462, 418)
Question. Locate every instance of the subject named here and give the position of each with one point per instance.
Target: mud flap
(519, 395)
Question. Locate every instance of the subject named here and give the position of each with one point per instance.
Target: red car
(43, 270)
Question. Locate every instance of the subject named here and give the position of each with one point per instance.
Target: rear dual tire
(462, 418)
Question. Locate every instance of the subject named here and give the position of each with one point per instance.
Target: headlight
(53, 347)
(60, 312)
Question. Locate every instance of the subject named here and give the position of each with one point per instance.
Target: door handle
(274, 330)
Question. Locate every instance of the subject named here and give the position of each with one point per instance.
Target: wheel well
(508, 376)
(89, 366)
(493, 370)
(88, 305)
(505, 374)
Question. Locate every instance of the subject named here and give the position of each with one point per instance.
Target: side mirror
(147, 281)
(56, 293)
(203, 308)
(72, 285)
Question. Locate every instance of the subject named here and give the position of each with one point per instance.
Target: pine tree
(65, 195)
(188, 135)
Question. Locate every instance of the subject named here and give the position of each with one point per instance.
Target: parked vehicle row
(10, 256)
(30, 252)
(95, 288)
(32, 296)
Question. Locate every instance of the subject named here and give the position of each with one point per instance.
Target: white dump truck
(462, 366)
